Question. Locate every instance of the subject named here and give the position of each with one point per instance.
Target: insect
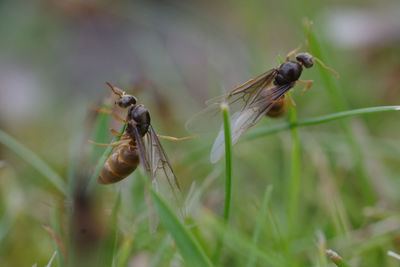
(139, 144)
(259, 96)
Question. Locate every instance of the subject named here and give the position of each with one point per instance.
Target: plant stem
(228, 161)
(316, 120)
(228, 174)
(294, 174)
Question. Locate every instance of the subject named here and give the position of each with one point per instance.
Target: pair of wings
(248, 103)
(156, 165)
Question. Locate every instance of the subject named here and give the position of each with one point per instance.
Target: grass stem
(228, 174)
(34, 160)
(257, 133)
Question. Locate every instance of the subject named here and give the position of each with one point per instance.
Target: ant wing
(145, 162)
(243, 120)
(156, 164)
(210, 118)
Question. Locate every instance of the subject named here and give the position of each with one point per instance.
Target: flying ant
(255, 98)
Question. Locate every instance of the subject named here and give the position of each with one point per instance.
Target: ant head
(305, 59)
(125, 100)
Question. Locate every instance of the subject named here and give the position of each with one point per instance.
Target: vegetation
(315, 187)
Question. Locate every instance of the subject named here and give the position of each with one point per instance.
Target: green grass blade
(103, 159)
(340, 103)
(259, 224)
(228, 174)
(228, 161)
(242, 245)
(34, 160)
(101, 134)
(189, 247)
(55, 225)
(110, 243)
(124, 252)
(261, 132)
(294, 174)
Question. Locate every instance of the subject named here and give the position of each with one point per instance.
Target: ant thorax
(139, 115)
(288, 72)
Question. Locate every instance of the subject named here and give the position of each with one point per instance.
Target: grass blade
(189, 247)
(242, 245)
(294, 174)
(110, 242)
(317, 120)
(228, 174)
(55, 225)
(260, 222)
(34, 160)
(340, 103)
(228, 161)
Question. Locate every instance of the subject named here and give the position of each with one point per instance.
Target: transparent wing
(155, 162)
(244, 119)
(210, 118)
(145, 162)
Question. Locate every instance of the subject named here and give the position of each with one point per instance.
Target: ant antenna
(326, 67)
(308, 36)
(116, 91)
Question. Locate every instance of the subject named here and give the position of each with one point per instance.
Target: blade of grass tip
(228, 174)
(339, 103)
(103, 158)
(393, 254)
(263, 131)
(294, 173)
(34, 160)
(189, 247)
(336, 258)
(124, 252)
(52, 258)
(110, 243)
(259, 224)
(55, 225)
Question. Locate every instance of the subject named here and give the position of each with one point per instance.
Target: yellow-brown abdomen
(278, 108)
(123, 161)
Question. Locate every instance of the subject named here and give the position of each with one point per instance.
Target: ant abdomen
(123, 161)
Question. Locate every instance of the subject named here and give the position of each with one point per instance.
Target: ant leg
(117, 133)
(292, 53)
(171, 138)
(280, 100)
(116, 90)
(307, 83)
(107, 111)
(326, 67)
(113, 144)
(291, 101)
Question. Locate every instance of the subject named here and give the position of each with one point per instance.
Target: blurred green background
(55, 56)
